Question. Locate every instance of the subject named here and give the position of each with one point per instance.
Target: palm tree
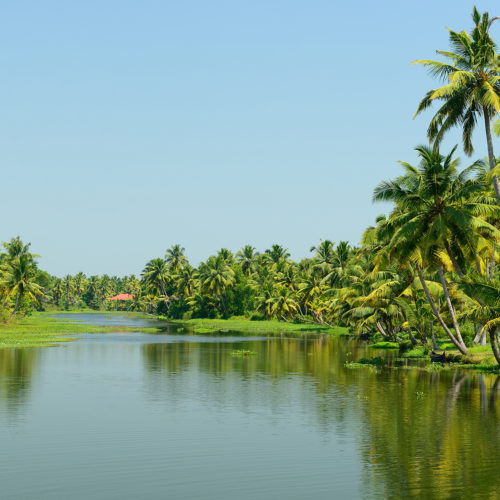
(175, 257)
(185, 281)
(216, 276)
(226, 255)
(283, 304)
(69, 289)
(246, 257)
(473, 88)
(19, 280)
(15, 248)
(277, 254)
(156, 276)
(335, 271)
(486, 309)
(324, 252)
(438, 219)
(80, 282)
(311, 287)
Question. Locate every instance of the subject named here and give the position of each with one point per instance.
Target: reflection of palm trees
(16, 371)
(421, 432)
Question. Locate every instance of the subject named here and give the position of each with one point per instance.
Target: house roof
(122, 296)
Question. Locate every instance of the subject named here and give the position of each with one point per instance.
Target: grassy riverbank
(41, 329)
(240, 324)
(480, 357)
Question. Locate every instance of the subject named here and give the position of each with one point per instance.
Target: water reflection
(420, 434)
(197, 417)
(16, 373)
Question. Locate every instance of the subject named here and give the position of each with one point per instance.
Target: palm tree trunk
(492, 264)
(494, 344)
(451, 309)
(491, 156)
(16, 305)
(435, 347)
(381, 330)
(453, 259)
(478, 335)
(413, 340)
(458, 345)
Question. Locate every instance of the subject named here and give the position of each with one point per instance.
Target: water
(133, 415)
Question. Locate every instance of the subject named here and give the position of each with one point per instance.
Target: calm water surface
(133, 415)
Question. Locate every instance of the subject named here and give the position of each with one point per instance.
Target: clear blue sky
(128, 126)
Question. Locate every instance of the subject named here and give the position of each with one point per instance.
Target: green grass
(385, 344)
(40, 329)
(258, 327)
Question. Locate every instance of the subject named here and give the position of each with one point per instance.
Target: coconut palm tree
(156, 276)
(438, 219)
(473, 88)
(186, 281)
(486, 309)
(325, 252)
(277, 254)
(175, 257)
(80, 282)
(15, 248)
(282, 304)
(19, 280)
(247, 259)
(216, 277)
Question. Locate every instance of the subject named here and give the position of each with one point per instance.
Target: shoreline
(42, 329)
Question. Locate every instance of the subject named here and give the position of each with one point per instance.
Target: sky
(130, 126)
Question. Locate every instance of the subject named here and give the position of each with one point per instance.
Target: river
(179, 416)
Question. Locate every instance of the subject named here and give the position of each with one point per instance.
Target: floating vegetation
(242, 353)
(376, 361)
(356, 366)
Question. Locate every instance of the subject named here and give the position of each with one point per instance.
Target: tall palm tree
(69, 289)
(185, 281)
(19, 280)
(283, 304)
(438, 218)
(156, 276)
(175, 257)
(277, 254)
(324, 251)
(247, 257)
(80, 282)
(216, 276)
(486, 309)
(15, 248)
(473, 88)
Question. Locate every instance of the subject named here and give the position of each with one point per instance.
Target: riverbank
(480, 357)
(41, 329)
(257, 327)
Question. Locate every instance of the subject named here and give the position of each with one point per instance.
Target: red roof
(122, 296)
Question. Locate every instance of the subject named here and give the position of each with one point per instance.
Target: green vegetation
(258, 327)
(40, 329)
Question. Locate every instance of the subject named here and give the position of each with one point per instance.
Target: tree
(277, 254)
(175, 257)
(156, 276)
(473, 88)
(437, 219)
(216, 276)
(19, 280)
(247, 257)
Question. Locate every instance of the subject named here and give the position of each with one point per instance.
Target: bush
(377, 361)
